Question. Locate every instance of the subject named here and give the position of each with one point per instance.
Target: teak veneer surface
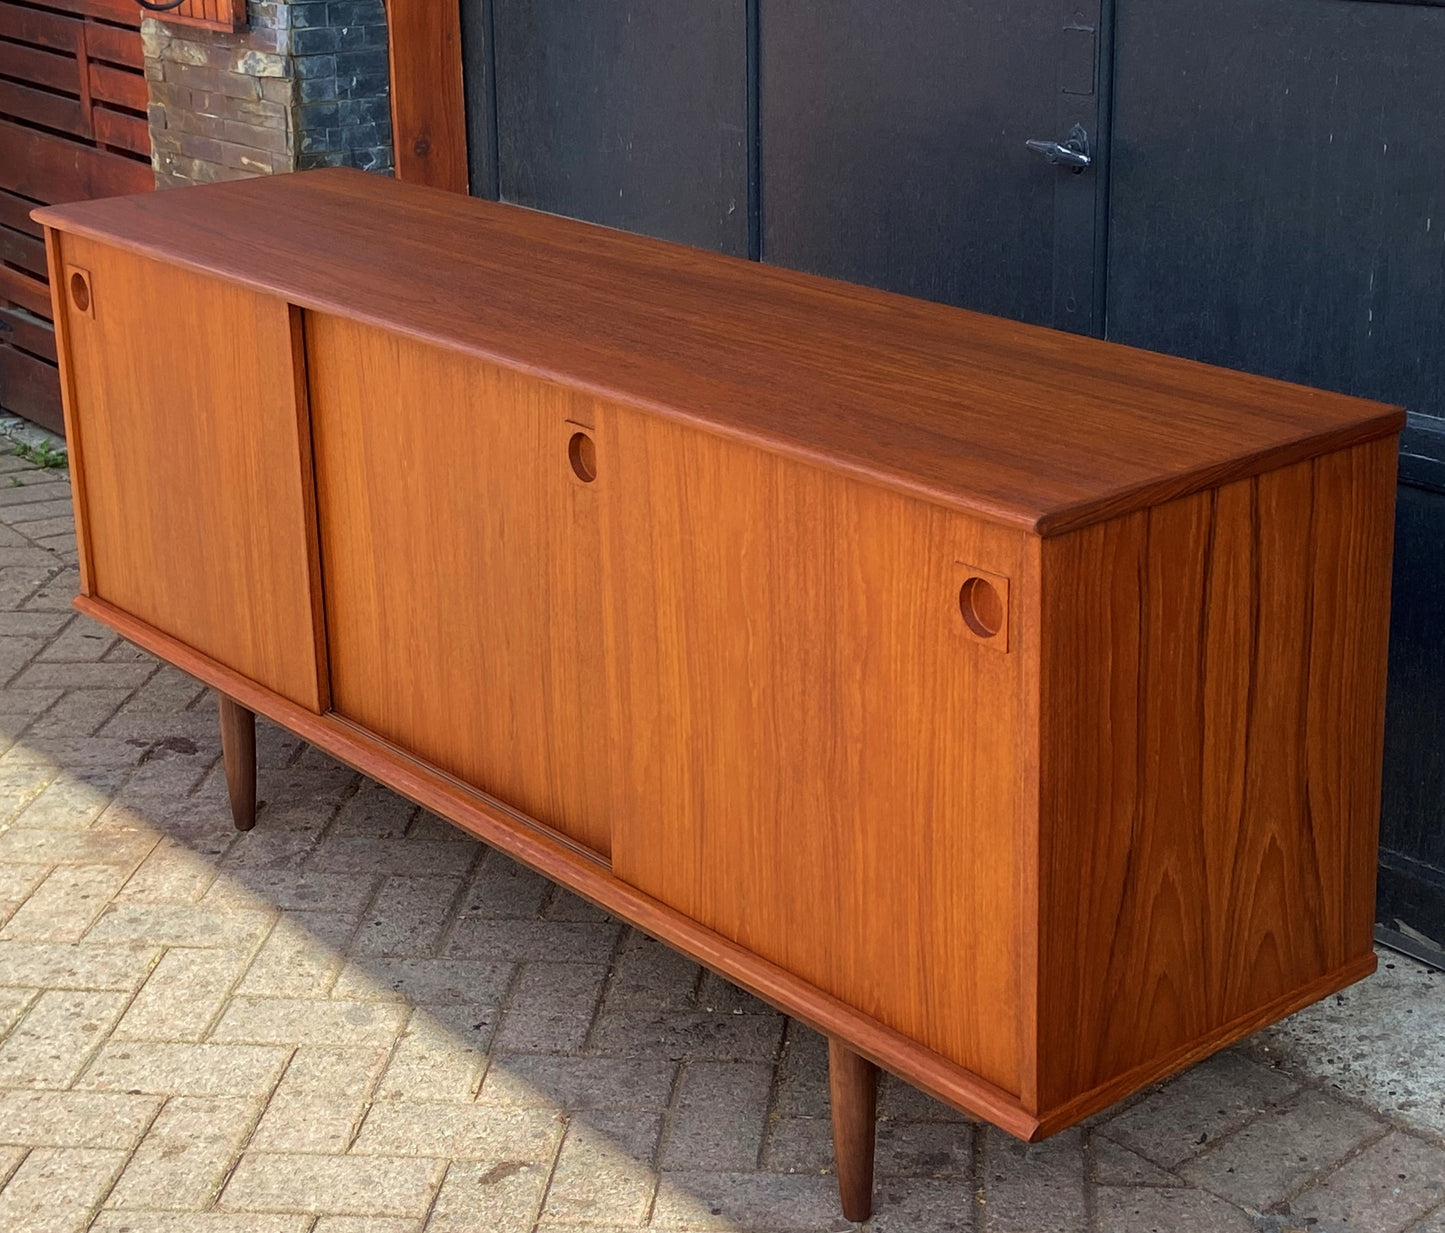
(1015, 424)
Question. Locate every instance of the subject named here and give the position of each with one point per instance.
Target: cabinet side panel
(185, 391)
(1212, 710)
(461, 566)
(822, 763)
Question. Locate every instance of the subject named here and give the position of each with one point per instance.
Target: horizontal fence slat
(113, 85)
(120, 128)
(21, 289)
(30, 386)
(27, 25)
(43, 108)
(52, 169)
(121, 12)
(23, 250)
(15, 213)
(114, 46)
(39, 67)
(28, 332)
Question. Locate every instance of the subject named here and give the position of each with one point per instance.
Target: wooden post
(853, 1088)
(238, 748)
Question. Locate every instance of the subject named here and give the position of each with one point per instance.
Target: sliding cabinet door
(461, 560)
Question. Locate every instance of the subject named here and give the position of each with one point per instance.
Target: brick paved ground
(354, 1020)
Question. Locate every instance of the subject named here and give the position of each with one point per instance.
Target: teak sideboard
(1004, 704)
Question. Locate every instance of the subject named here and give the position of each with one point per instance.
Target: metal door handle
(1072, 152)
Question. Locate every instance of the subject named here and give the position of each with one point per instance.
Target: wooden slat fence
(72, 126)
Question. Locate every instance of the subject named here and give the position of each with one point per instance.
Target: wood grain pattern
(428, 103)
(1213, 675)
(195, 514)
(806, 716)
(462, 569)
(1035, 429)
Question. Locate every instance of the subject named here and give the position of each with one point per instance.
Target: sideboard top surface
(1020, 425)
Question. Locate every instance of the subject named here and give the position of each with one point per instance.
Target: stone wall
(305, 86)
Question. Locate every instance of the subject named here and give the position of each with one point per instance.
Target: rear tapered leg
(238, 747)
(853, 1087)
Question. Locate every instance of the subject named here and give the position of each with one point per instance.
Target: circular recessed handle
(582, 454)
(981, 606)
(80, 291)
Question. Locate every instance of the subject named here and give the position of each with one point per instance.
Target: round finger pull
(981, 605)
(80, 291)
(582, 454)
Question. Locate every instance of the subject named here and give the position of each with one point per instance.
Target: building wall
(305, 85)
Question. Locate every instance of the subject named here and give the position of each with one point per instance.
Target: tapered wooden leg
(853, 1086)
(238, 747)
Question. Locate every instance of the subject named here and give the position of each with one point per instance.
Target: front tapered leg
(238, 748)
(853, 1086)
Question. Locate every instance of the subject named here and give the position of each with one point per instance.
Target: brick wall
(304, 86)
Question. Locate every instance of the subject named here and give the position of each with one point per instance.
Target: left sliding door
(187, 422)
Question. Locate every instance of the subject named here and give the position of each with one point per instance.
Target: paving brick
(424, 982)
(1178, 1120)
(1386, 1187)
(438, 1058)
(724, 1201)
(1115, 1165)
(801, 1089)
(74, 802)
(364, 1224)
(186, 1155)
(63, 906)
(186, 1069)
(1261, 1164)
(56, 1189)
(82, 641)
(198, 1222)
(176, 872)
(912, 1205)
(374, 812)
(343, 1185)
(517, 941)
(417, 858)
(53, 965)
(75, 1119)
(498, 1196)
(408, 917)
(84, 676)
(182, 997)
(300, 957)
(922, 1149)
(650, 977)
(604, 1172)
(311, 1021)
(551, 1007)
(55, 1039)
(320, 1101)
(173, 924)
(1034, 1186)
(721, 1115)
(578, 1083)
(13, 1004)
(1157, 1209)
(59, 847)
(294, 890)
(459, 1131)
(735, 1038)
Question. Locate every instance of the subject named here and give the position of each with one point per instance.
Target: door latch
(1072, 152)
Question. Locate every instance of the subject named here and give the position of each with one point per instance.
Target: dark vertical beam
(1104, 146)
(755, 134)
(479, 60)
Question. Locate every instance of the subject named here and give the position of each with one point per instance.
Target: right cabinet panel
(823, 762)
